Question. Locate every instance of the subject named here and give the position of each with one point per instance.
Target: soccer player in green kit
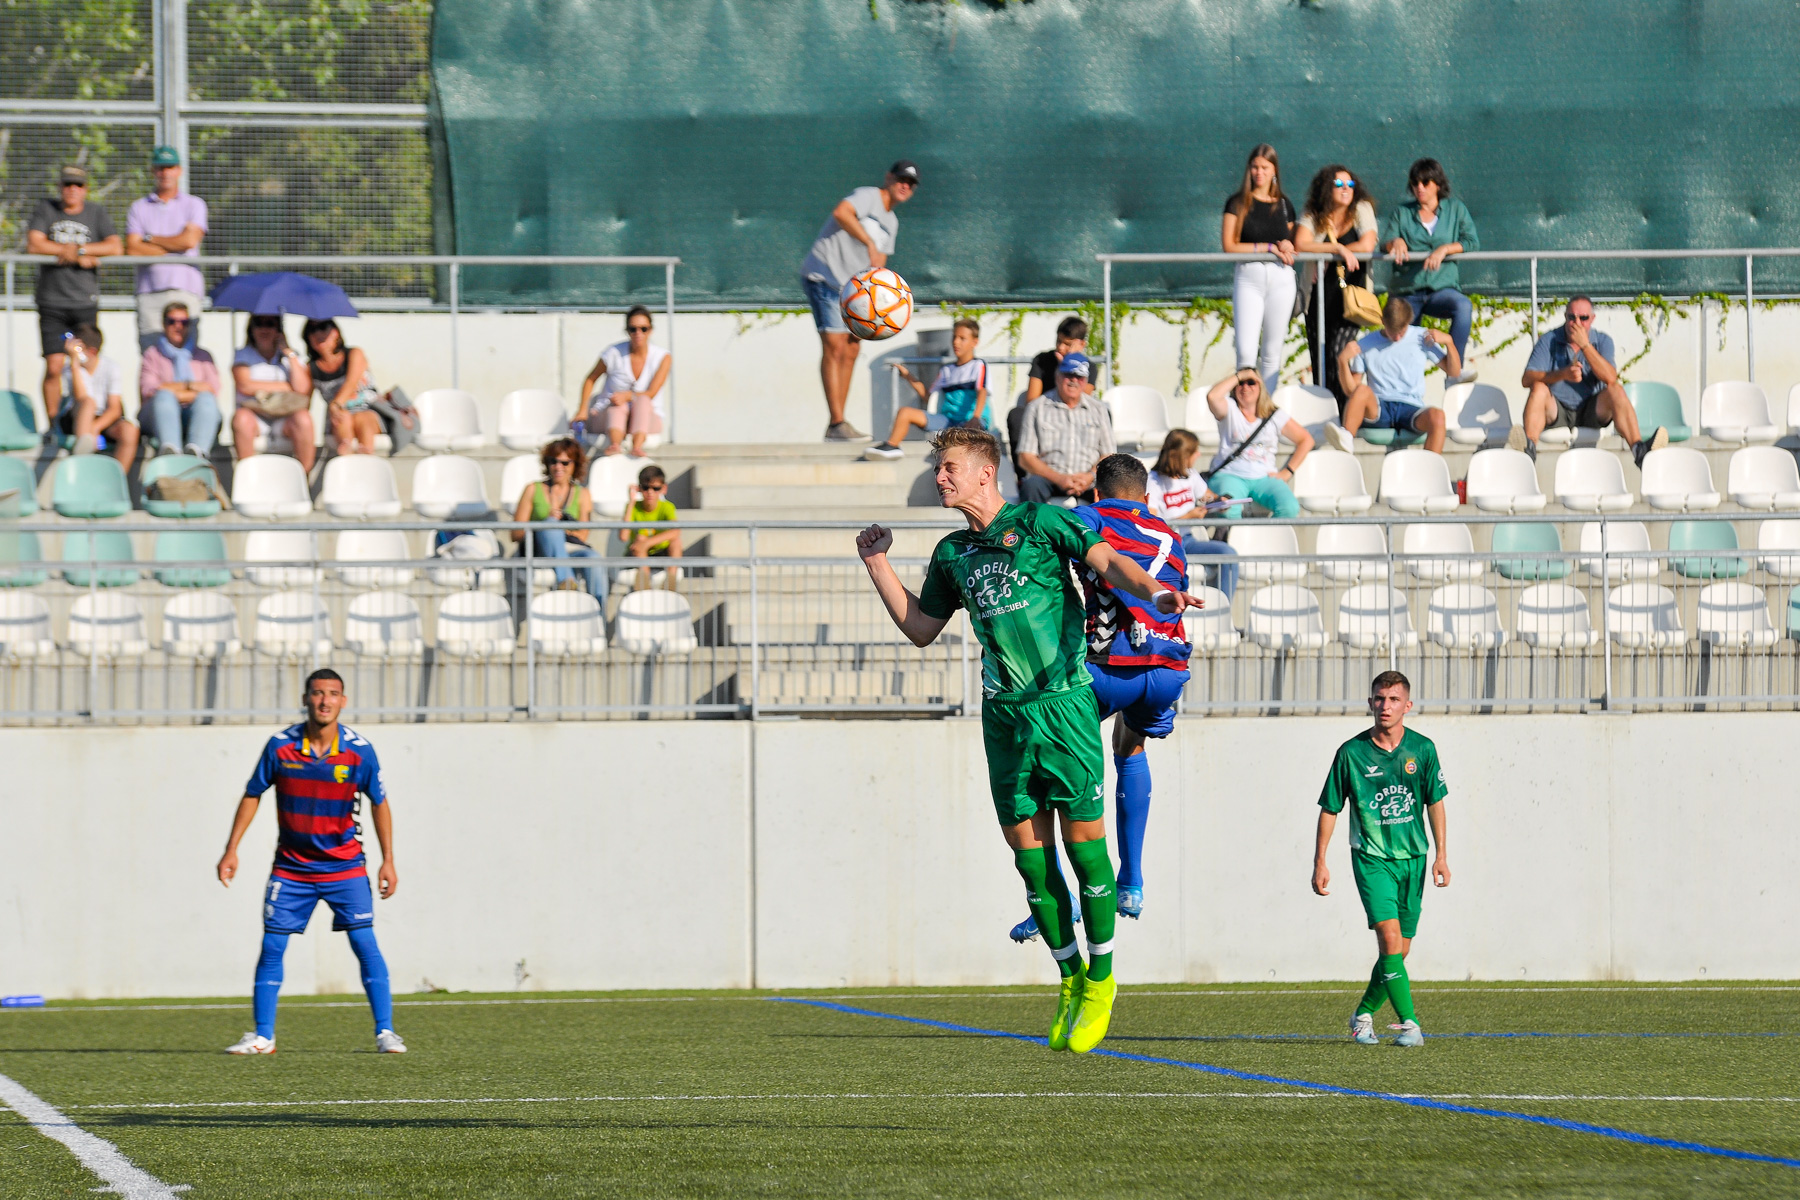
(1039, 720)
(1390, 778)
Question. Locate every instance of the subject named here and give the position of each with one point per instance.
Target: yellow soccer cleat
(1067, 1002)
(1095, 1015)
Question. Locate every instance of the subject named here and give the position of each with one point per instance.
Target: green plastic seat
(21, 547)
(191, 546)
(1705, 535)
(1793, 620)
(1535, 538)
(17, 473)
(110, 547)
(1658, 407)
(18, 421)
(1390, 437)
(90, 485)
(179, 465)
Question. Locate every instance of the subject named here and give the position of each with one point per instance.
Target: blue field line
(1605, 1131)
(1338, 1037)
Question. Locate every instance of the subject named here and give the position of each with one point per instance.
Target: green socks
(1377, 992)
(1048, 897)
(1099, 901)
(1399, 988)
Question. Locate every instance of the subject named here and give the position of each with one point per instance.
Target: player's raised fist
(873, 541)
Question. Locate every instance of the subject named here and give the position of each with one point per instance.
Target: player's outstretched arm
(383, 819)
(228, 862)
(1440, 865)
(1122, 572)
(873, 544)
(1321, 873)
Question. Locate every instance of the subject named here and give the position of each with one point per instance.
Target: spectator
(561, 493)
(858, 234)
(94, 399)
(178, 385)
(79, 235)
(1249, 426)
(1260, 220)
(1063, 437)
(342, 375)
(1338, 218)
(961, 388)
(1574, 385)
(634, 372)
(649, 501)
(1432, 226)
(1385, 371)
(1176, 489)
(1071, 338)
(167, 221)
(274, 392)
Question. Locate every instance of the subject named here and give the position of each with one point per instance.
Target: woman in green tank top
(561, 493)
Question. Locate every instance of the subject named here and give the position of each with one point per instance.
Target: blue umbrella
(283, 292)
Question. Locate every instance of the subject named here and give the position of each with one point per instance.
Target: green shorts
(1391, 889)
(1045, 752)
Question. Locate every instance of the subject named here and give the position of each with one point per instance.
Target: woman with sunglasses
(560, 496)
(630, 399)
(1249, 426)
(274, 392)
(1420, 236)
(178, 383)
(1338, 218)
(345, 383)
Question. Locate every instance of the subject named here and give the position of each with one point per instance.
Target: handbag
(1360, 306)
(276, 405)
(192, 486)
(399, 417)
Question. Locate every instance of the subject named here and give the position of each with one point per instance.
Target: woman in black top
(1259, 219)
(1338, 218)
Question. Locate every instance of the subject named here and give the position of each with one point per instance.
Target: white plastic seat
(1780, 535)
(24, 625)
(373, 545)
(359, 487)
(1209, 628)
(1504, 481)
(518, 474)
(1590, 480)
(1736, 413)
(384, 625)
(1330, 481)
(1360, 540)
(470, 546)
(1677, 479)
(1371, 614)
(1464, 616)
(531, 417)
(1643, 616)
(1583, 437)
(1735, 615)
(1255, 541)
(1140, 415)
(1286, 617)
(1476, 414)
(1309, 404)
(609, 480)
(1440, 539)
(270, 487)
(280, 546)
(292, 624)
(1765, 478)
(1417, 481)
(1793, 409)
(1554, 616)
(475, 625)
(655, 621)
(449, 419)
(567, 623)
(107, 625)
(450, 487)
(1200, 421)
(1622, 537)
(200, 625)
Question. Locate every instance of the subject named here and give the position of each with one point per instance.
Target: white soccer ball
(876, 304)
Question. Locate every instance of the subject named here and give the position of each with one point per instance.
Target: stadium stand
(90, 485)
(1286, 616)
(1705, 535)
(292, 625)
(1256, 544)
(93, 558)
(1644, 616)
(475, 625)
(566, 623)
(270, 487)
(1676, 479)
(1659, 407)
(1734, 615)
(1734, 413)
(1371, 615)
(1793, 410)
(1330, 481)
(1364, 541)
(192, 548)
(373, 545)
(1209, 627)
(1591, 480)
(1555, 616)
(532, 417)
(25, 626)
(18, 421)
(1763, 477)
(359, 487)
(179, 466)
(1140, 416)
(1418, 540)
(655, 622)
(1621, 538)
(1504, 481)
(1464, 616)
(383, 624)
(1200, 421)
(450, 487)
(107, 625)
(200, 625)
(1309, 404)
(1416, 481)
(1476, 414)
(16, 475)
(449, 419)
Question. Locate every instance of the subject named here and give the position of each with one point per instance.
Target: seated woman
(1249, 425)
(1420, 236)
(342, 375)
(274, 392)
(560, 496)
(631, 374)
(650, 502)
(1175, 490)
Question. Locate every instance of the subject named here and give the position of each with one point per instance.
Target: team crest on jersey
(1412, 766)
(340, 773)
(1010, 538)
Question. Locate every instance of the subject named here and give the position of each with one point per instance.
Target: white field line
(96, 1154)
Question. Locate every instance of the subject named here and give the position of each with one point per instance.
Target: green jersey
(1014, 579)
(1388, 792)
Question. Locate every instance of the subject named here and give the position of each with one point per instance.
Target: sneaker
(569, 585)
(1516, 439)
(86, 444)
(1410, 1034)
(1340, 438)
(1530, 448)
(884, 450)
(194, 449)
(1655, 441)
(388, 1042)
(844, 431)
(1095, 1015)
(1362, 1030)
(1024, 931)
(1469, 375)
(164, 451)
(252, 1043)
(1068, 1004)
(1131, 901)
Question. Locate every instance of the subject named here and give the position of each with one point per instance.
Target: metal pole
(755, 665)
(530, 576)
(968, 631)
(1106, 308)
(1324, 349)
(9, 326)
(1534, 302)
(1393, 639)
(1749, 320)
(172, 81)
(669, 342)
(1704, 317)
(455, 304)
(93, 706)
(312, 618)
(1606, 620)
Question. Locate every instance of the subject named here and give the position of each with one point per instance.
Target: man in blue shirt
(1574, 385)
(1385, 372)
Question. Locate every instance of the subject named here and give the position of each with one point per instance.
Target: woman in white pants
(1259, 219)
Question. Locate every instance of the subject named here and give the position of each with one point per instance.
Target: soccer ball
(877, 304)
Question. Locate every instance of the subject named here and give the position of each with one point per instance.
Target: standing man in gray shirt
(79, 235)
(859, 234)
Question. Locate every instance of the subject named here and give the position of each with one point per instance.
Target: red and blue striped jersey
(1122, 630)
(316, 789)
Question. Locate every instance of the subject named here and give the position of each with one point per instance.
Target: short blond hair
(978, 442)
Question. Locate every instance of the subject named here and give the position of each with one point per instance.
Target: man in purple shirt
(166, 222)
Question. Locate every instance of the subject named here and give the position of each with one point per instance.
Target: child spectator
(93, 405)
(1071, 338)
(962, 393)
(649, 501)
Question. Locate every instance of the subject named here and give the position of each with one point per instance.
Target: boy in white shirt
(961, 387)
(94, 398)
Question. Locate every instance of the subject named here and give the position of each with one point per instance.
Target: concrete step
(800, 472)
(817, 498)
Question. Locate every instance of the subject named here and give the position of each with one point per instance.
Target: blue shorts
(1395, 415)
(937, 421)
(288, 903)
(1145, 695)
(825, 300)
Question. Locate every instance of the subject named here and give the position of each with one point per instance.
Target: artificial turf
(732, 1094)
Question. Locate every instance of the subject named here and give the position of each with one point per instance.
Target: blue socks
(374, 979)
(1132, 801)
(268, 982)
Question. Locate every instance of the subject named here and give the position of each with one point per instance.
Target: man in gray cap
(78, 235)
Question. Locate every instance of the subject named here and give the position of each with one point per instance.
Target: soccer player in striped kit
(318, 768)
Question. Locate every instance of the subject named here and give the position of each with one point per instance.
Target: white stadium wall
(836, 853)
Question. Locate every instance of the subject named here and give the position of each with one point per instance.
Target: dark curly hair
(1318, 193)
(576, 454)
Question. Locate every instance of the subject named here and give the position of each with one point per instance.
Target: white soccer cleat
(252, 1043)
(1410, 1035)
(388, 1042)
(1362, 1030)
